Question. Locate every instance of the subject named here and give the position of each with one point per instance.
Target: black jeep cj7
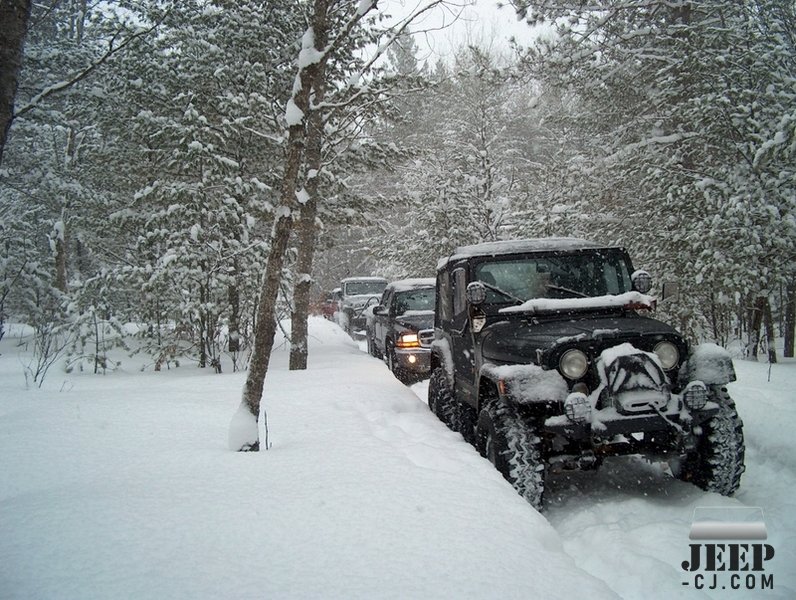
(545, 360)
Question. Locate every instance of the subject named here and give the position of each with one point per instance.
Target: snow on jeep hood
(534, 305)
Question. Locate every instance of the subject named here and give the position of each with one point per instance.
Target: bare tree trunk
(768, 320)
(14, 18)
(233, 295)
(756, 322)
(307, 230)
(60, 259)
(203, 326)
(790, 319)
(283, 225)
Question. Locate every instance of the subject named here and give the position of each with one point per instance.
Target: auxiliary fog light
(695, 395)
(412, 359)
(577, 407)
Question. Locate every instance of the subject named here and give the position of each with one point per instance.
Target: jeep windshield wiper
(503, 293)
(575, 293)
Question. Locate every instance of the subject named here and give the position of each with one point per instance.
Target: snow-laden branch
(380, 51)
(77, 77)
(657, 140)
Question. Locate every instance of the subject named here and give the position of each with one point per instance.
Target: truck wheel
(400, 374)
(372, 346)
(717, 463)
(511, 444)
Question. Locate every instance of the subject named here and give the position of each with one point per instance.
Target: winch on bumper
(607, 422)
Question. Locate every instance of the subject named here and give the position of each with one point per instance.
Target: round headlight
(573, 364)
(668, 355)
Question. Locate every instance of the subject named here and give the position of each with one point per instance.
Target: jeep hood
(519, 341)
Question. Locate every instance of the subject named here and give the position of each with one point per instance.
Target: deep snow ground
(628, 522)
(122, 486)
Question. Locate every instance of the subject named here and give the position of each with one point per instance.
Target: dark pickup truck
(401, 328)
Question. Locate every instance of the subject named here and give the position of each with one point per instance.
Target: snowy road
(122, 486)
(628, 522)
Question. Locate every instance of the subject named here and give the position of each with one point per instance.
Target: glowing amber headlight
(408, 340)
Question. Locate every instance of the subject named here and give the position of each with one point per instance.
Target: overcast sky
(482, 24)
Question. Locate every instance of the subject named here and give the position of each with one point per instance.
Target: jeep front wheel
(440, 397)
(511, 444)
(717, 462)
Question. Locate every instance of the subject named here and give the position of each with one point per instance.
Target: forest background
(143, 174)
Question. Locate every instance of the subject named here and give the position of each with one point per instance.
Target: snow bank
(123, 487)
(242, 429)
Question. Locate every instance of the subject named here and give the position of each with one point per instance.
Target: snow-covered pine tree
(57, 156)
(463, 177)
(204, 117)
(681, 103)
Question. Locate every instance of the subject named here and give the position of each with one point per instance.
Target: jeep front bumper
(608, 423)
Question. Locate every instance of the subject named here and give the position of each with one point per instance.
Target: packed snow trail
(122, 486)
(628, 523)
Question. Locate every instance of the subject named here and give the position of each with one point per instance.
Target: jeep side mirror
(671, 291)
(380, 310)
(642, 281)
(476, 293)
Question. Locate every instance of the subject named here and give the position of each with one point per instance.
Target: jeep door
(461, 340)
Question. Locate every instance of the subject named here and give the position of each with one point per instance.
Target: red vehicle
(331, 304)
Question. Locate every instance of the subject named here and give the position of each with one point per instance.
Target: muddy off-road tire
(717, 463)
(512, 445)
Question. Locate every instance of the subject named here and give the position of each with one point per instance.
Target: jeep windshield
(360, 288)
(514, 280)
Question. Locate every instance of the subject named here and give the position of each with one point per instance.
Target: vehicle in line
(546, 358)
(401, 328)
(330, 304)
(357, 294)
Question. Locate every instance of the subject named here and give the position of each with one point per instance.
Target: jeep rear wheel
(511, 444)
(717, 463)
